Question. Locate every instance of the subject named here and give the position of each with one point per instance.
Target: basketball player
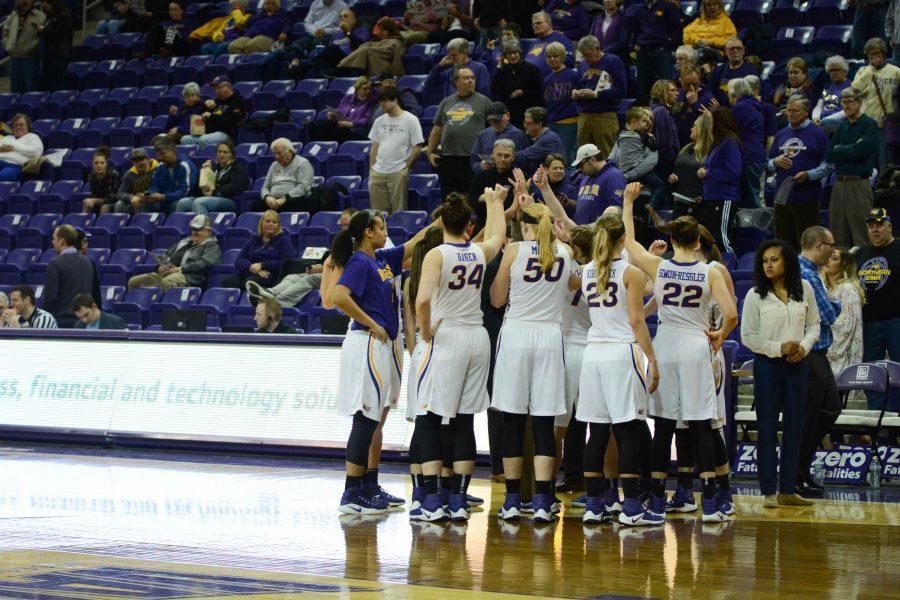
(533, 278)
(683, 287)
(452, 375)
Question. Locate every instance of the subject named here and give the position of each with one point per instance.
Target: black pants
(822, 408)
(573, 449)
(495, 419)
(329, 131)
(454, 174)
(792, 219)
(718, 217)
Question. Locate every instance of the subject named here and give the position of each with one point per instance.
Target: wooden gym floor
(99, 525)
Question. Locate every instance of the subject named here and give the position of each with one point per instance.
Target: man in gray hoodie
(187, 262)
(21, 37)
(289, 181)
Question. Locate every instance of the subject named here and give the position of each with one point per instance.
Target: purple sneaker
(711, 511)
(634, 514)
(511, 509)
(543, 508)
(611, 501)
(355, 502)
(657, 505)
(595, 512)
(682, 501)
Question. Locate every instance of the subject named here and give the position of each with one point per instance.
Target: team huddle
(574, 342)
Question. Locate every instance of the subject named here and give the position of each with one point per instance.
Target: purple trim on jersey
(458, 245)
(397, 362)
(369, 361)
(681, 264)
(425, 370)
(636, 369)
(562, 342)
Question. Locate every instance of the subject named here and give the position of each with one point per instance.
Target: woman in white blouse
(779, 323)
(18, 148)
(839, 275)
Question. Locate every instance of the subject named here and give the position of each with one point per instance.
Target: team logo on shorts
(365, 408)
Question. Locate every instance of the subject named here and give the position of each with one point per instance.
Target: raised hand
(632, 191)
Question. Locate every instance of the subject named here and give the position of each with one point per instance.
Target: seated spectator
(748, 114)
(798, 83)
(563, 188)
(543, 141)
(842, 282)
(663, 96)
(500, 129)
(263, 255)
(348, 37)
(562, 111)
(221, 194)
(289, 180)
(352, 118)
(518, 84)
(4, 303)
(268, 318)
(610, 29)
(458, 22)
(90, 316)
(692, 99)
(721, 175)
(544, 36)
(734, 66)
(320, 24)
(173, 179)
(440, 79)
(635, 152)
(382, 54)
(222, 116)
(500, 172)
(684, 180)
(827, 112)
(178, 124)
(602, 186)
(23, 313)
(68, 275)
(187, 262)
(216, 29)
(18, 147)
(712, 29)
(135, 182)
(569, 17)
(262, 30)
(601, 86)
(408, 99)
(122, 13)
(105, 183)
(685, 56)
(417, 26)
(171, 37)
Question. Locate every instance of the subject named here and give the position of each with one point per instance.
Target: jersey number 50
(686, 297)
(533, 271)
(474, 278)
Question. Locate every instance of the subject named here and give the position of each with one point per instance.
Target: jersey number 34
(460, 272)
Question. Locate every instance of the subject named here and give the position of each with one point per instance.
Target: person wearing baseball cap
(222, 116)
(603, 184)
(498, 128)
(135, 182)
(187, 262)
(879, 273)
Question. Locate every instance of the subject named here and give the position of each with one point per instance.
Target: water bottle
(874, 478)
(818, 473)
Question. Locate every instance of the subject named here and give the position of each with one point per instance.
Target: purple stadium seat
(248, 69)
(37, 234)
(37, 271)
(79, 220)
(416, 83)
(225, 267)
(422, 189)
(216, 301)
(191, 70)
(827, 12)
(66, 134)
(244, 228)
(43, 127)
(135, 308)
(9, 226)
(349, 182)
(109, 295)
(113, 105)
(97, 134)
(320, 230)
(305, 94)
(100, 256)
(29, 102)
(833, 39)
(55, 107)
(352, 158)
(185, 297)
(102, 74)
(128, 132)
(121, 265)
(76, 72)
(317, 153)
(293, 222)
(221, 221)
(13, 271)
(410, 221)
(84, 106)
(57, 198)
(77, 163)
(24, 201)
(139, 230)
(749, 13)
(105, 228)
(176, 227)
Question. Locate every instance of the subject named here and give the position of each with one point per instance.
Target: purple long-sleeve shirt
(571, 19)
(608, 78)
(666, 132)
(358, 112)
(558, 95)
(723, 172)
(615, 39)
(265, 24)
(272, 254)
(748, 114)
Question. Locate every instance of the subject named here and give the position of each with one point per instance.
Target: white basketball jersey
(608, 308)
(576, 320)
(682, 295)
(457, 299)
(533, 294)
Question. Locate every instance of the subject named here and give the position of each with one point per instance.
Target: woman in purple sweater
(263, 255)
(610, 29)
(721, 175)
(352, 117)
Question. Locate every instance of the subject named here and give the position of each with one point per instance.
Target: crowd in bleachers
(778, 114)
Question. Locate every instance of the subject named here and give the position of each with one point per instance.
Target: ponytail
(342, 248)
(433, 238)
(708, 246)
(539, 214)
(346, 241)
(610, 230)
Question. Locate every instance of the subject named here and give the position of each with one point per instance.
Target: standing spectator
(735, 66)
(663, 97)
(493, 55)
(382, 54)
(172, 36)
(877, 84)
(18, 147)
(56, 45)
(779, 324)
(798, 83)
(230, 181)
(268, 318)
(843, 286)
(685, 57)
(748, 115)
(854, 153)
(21, 37)
(544, 36)
(601, 86)
(635, 151)
(684, 179)
(823, 407)
(23, 313)
(490, 17)
(610, 28)
(289, 180)
(498, 128)
(562, 111)
(172, 180)
(892, 29)
(321, 23)
(121, 12)
(105, 183)
(499, 172)
(569, 17)
(770, 116)
(869, 22)
(656, 27)
(396, 144)
(68, 275)
(441, 78)
(563, 188)
(89, 316)
(518, 84)
(178, 123)
(459, 120)
(878, 269)
(135, 182)
(797, 157)
(264, 254)
(827, 113)
(544, 142)
(712, 29)
(693, 97)
(406, 97)
(352, 118)
(187, 262)
(602, 186)
(222, 116)
(263, 29)
(721, 175)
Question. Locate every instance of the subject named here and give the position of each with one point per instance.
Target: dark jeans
(23, 74)
(880, 337)
(454, 175)
(823, 407)
(778, 387)
(792, 219)
(53, 74)
(867, 25)
(652, 64)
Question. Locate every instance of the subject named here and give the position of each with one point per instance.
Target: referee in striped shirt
(24, 314)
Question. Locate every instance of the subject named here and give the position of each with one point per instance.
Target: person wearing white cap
(187, 262)
(603, 185)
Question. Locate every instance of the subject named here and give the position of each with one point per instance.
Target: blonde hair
(847, 274)
(274, 215)
(660, 91)
(546, 240)
(582, 239)
(610, 230)
(703, 143)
